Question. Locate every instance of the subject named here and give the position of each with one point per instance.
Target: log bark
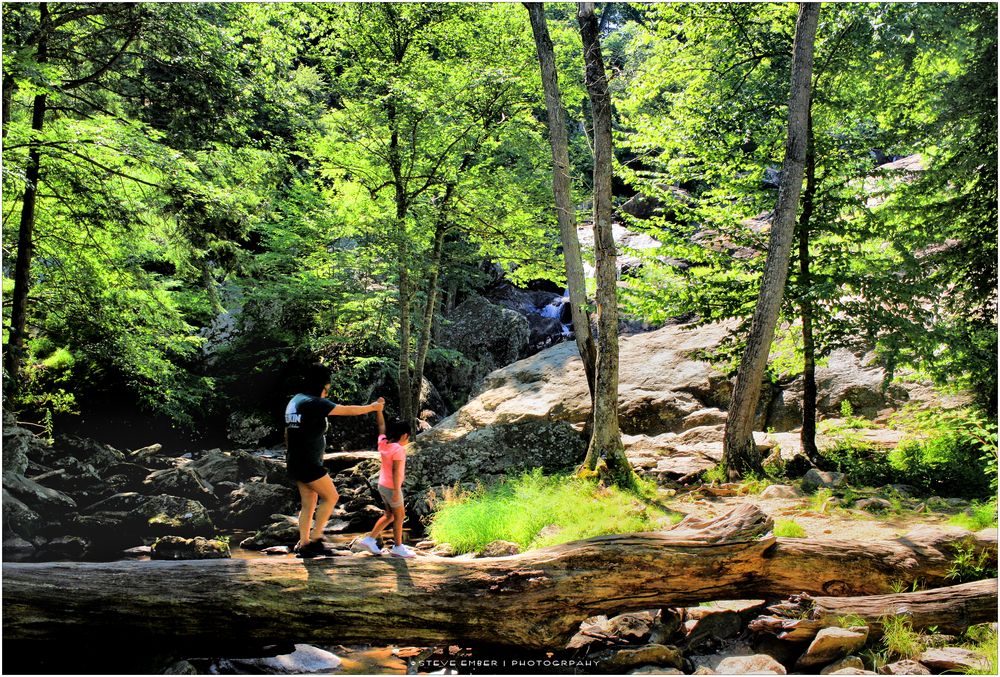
(533, 600)
(951, 609)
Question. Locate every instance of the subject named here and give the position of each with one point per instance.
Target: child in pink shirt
(392, 443)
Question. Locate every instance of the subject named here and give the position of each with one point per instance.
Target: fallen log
(533, 600)
(951, 610)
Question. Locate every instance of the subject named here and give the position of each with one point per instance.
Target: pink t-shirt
(389, 451)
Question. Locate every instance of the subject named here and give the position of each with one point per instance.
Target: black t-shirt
(306, 424)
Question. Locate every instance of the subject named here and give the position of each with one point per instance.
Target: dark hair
(316, 377)
(396, 429)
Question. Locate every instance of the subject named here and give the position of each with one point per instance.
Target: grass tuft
(978, 516)
(518, 509)
(789, 529)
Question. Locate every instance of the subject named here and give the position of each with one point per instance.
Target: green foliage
(788, 529)
(520, 508)
(970, 564)
(978, 516)
(899, 640)
(983, 640)
(820, 500)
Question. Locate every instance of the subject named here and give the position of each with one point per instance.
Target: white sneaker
(402, 551)
(370, 545)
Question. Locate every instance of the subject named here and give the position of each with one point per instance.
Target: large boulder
(48, 502)
(252, 503)
(19, 445)
(99, 456)
(182, 481)
(487, 336)
(171, 515)
(19, 519)
(661, 384)
(486, 454)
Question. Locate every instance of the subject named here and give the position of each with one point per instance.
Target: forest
(631, 265)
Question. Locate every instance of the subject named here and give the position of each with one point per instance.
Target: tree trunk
(739, 451)
(424, 340)
(26, 228)
(606, 439)
(533, 600)
(952, 610)
(808, 435)
(562, 191)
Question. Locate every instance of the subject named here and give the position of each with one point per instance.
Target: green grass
(519, 508)
(983, 640)
(900, 639)
(789, 529)
(978, 516)
(818, 501)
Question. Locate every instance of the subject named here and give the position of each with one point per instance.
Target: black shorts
(305, 472)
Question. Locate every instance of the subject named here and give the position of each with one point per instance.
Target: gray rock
(89, 451)
(172, 515)
(64, 548)
(953, 659)
(500, 549)
(216, 466)
(252, 503)
(650, 654)
(655, 670)
(488, 336)
(714, 626)
(183, 481)
(781, 491)
(823, 478)
(41, 499)
(181, 668)
(176, 547)
(831, 644)
(19, 519)
(906, 667)
(843, 664)
(853, 671)
(437, 458)
(19, 445)
(873, 504)
(16, 549)
(305, 660)
(758, 664)
(904, 490)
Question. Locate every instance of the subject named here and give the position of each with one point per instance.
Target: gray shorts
(386, 494)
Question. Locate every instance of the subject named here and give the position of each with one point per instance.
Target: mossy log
(950, 609)
(533, 600)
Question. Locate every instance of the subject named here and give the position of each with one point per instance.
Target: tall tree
(739, 450)
(562, 191)
(120, 28)
(605, 440)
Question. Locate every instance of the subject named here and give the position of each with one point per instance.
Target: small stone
(714, 626)
(853, 671)
(906, 667)
(831, 644)
(177, 547)
(654, 670)
(953, 659)
(873, 504)
(781, 491)
(758, 664)
(500, 549)
(657, 654)
(277, 550)
(843, 664)
(823, 478)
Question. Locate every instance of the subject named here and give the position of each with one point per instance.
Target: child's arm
(379, 416)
